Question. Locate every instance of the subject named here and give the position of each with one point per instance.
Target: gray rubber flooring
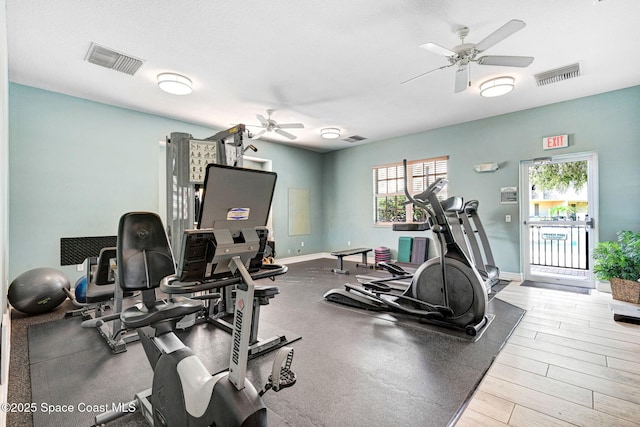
(354, 368)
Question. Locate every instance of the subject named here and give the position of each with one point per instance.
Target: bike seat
(139, 316)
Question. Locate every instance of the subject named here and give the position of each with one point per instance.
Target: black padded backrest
(144, 256)
(103, 274)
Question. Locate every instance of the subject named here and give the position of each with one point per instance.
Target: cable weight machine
(186, 164)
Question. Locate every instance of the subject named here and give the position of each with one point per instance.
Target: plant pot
(625, 290)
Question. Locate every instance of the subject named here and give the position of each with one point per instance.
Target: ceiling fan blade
(291, 126)
(286, 134)
(259, 134)
(437, 49)
(506, 61)
(462, 78)
(500, 34)
(424, 74)
(264, 121)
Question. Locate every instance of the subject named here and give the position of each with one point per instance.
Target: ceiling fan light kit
(497, 87)
(175, 84)
(330, 133)
(464, 54)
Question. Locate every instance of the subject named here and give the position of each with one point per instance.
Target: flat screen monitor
(236, 198)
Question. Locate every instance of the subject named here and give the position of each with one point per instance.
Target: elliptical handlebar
(421, 198)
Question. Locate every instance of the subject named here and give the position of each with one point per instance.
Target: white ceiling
(329, 63)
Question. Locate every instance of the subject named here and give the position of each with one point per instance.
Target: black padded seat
(97, 293)
(174, 308)
(144, 260)
(102, 287)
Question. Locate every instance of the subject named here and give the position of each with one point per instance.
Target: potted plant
(619, 262)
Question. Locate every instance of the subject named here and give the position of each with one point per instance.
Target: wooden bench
(347, 252)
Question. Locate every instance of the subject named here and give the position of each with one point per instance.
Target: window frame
(394, 174)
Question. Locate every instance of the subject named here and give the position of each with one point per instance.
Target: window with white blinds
(388, 188)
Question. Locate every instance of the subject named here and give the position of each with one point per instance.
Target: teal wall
(608, 124)
(76, 166)
(299, 169)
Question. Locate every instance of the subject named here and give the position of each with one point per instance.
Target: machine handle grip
(421, 198)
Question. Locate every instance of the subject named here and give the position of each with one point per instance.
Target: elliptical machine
(447, 290)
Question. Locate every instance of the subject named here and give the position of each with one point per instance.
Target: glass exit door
(559, 207)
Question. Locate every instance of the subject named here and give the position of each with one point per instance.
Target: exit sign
(553, 142)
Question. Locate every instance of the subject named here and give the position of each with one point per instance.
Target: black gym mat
(353, 368)
(556, 287)
(72, 367)
(495, 289)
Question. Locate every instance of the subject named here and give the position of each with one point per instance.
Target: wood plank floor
(567, 364)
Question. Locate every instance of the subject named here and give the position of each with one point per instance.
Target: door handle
(591, 223)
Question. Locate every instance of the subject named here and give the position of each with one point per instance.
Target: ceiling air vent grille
(354, 138)
(109, 58)
(558, 75)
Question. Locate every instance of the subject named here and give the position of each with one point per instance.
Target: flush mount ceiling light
(330, 133)
(174, 84)
(497, 87)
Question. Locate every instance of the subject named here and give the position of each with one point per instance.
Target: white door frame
(592, 194)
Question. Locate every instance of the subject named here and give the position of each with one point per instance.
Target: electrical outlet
(80, 267)
(302, 244)
(507, 218)
(348, 242)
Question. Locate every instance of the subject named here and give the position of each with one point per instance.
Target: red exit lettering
(557, 141)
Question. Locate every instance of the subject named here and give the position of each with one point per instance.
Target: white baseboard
(506, 275)
(302, 258)
(5, 347)
(318, 255)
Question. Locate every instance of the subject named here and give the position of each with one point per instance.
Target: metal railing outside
(564, 244)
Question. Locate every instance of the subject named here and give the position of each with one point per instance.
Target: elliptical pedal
(394, 269)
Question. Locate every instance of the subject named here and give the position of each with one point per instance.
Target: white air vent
(109, 58)
(558, 75)
(354, 138)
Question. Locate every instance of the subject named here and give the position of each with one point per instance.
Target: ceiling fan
(270, 125)
(465, 53)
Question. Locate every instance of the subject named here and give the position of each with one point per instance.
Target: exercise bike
(447, 290)
(184, 393)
